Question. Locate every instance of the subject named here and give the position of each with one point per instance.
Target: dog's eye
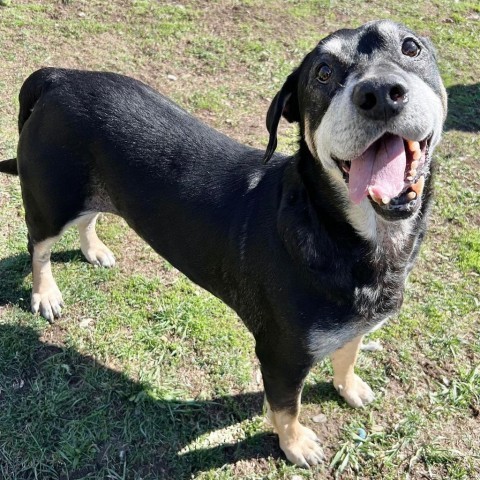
(324, 73)
(410, 48)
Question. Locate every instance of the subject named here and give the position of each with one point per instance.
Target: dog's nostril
(364, 96)
(369, 101)
(398, 93)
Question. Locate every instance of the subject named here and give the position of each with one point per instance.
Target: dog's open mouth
(391, 172)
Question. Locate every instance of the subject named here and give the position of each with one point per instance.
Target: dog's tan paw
(100, 256)
(356, 392)
(48, 303)
(303, 449)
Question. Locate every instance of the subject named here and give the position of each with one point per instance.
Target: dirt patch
(440, 373)
(54, 336)
(136, 257)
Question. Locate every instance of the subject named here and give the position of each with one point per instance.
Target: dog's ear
(284, 103)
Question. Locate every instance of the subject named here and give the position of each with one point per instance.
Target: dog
(311, 250)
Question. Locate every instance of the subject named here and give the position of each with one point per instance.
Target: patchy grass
(146, 376)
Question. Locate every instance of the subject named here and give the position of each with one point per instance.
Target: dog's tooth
(411, 176)
(418, 187)
(413, 146)
(411, 196)
(374, 197)
(415, 149)
(413, 170)
(380, 200)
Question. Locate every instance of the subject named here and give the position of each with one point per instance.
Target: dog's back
(93, 136)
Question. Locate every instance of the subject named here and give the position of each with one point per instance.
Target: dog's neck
(316, 231)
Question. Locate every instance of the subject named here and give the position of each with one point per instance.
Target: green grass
(146, 376)
(469, 251)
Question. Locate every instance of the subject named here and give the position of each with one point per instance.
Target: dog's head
(371, 106)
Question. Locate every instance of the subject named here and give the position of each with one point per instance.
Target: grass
(146, 376)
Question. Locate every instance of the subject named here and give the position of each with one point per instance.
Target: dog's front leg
(283, 376)
(351, 387)
(95, 251)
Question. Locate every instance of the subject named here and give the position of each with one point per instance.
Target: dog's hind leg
(54, 194)
(350, 386)
(46, 296)
(92, 247)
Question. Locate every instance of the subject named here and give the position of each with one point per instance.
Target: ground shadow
(69, 390)
(15, 268)
(463, 108)
(60, 409)
(320, 392)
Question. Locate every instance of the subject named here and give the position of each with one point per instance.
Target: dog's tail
(30, 92)
(9, 166)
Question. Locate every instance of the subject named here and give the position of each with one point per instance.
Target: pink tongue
(381, 168)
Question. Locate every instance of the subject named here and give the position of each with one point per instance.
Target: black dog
(312, 251)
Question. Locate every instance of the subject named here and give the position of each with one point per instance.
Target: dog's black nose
(380, 98)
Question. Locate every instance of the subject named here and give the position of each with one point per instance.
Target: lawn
(146, 376)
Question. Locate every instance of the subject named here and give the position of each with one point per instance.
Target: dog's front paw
(100, 256)
(303, 447)
(356, 392)
(48, 303)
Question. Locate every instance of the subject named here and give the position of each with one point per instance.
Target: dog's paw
(48, 303)
(100, 256)
(303, 448)
(356, 392)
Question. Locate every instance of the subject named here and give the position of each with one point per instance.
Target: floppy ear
(284, 103)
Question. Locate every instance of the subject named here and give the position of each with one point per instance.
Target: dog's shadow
(463, 108)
